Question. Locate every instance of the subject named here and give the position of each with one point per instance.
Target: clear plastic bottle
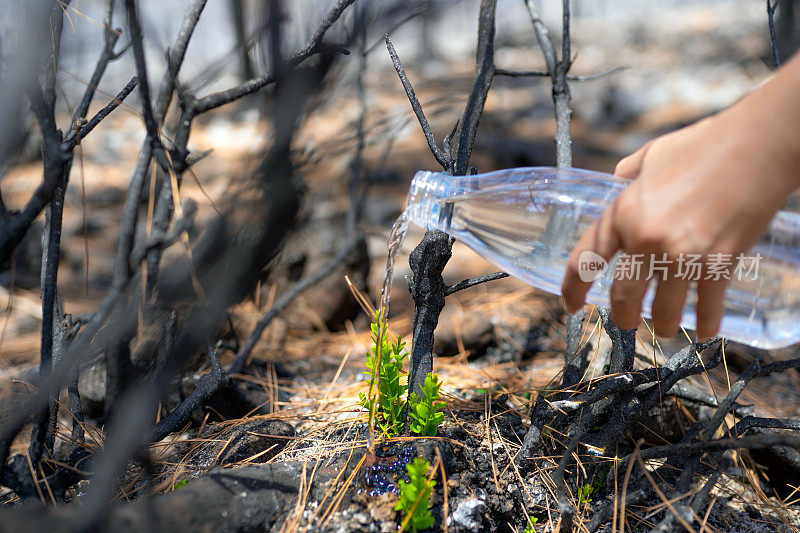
(527, 220)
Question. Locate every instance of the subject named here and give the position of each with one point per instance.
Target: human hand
(710, 188)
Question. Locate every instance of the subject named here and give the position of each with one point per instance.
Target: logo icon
(590, 266)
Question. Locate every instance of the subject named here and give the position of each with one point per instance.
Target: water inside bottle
(529, 232)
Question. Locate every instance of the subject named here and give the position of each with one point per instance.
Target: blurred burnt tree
(788, 27)
(147, 332)
(239, 18)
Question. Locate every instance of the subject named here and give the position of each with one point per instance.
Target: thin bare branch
(484, 74)
(313, 46)
(438, 153)
(80, 132)
(175, 57)
(106, 56)
(771, 7)
(471, 282)
(545, 74)
(137, 39)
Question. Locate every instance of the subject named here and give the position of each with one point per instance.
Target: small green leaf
(425, 411)
(386, 399)
(415, 495)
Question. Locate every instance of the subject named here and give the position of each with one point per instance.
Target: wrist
(766, 123)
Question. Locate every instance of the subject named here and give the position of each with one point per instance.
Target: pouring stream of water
(396, 238)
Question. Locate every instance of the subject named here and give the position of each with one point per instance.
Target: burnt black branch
(484, 74)
(78, 133)
(773, 38)
(471, 282)
(314, 46)
(137, 39)
(441, 156)
(430, 257)
(545, 74)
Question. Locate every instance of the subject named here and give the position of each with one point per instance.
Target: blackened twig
(471, 282)
(106, 56)
(623, 344)
(764, 440)
(431, 255)
(558, 69)
(150, 123)
(51, 69)
(544, 74)
(427, 262)
(206, 387)
(575, 360)
(314, 45)
(130, 216)
(76, 408)
(164, 201)
(79, 134)
(565, 508)
(56, 169)
(772, 36)
(442, 157)
(177, 52)
(160, 240)
(43, 434)
(484, 74)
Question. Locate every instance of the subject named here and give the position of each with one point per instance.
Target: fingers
(710, 301)
(599, 239)
(630, 166)
(668, 303)
(626, 298)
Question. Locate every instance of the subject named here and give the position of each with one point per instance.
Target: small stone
(468, 514)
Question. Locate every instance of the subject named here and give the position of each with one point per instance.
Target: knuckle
(623, 165)
(648, 235)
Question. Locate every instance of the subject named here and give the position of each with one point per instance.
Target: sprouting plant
(425, 412)
(385, 365)
(585, 493)
(415, 496)
(179, 484)
(530, 523)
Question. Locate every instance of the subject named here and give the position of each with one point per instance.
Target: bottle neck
(426, 205)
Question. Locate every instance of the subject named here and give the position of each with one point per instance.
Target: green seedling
(530, 523)
(425, 412)
(415, 496)
(585, 494)
(384, 363)
(179, 484)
